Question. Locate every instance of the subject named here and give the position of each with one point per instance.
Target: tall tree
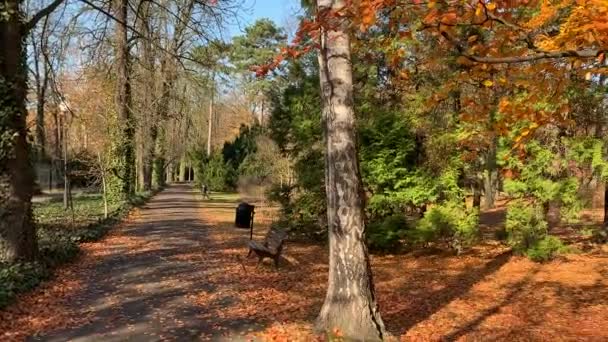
(17, 229)
(150, 131)
(261, 42)
(41, 71)
(125, 145)
(350, 305)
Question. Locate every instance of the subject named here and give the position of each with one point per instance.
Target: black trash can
(244, 215)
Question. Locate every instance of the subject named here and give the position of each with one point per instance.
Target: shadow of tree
(425, 300)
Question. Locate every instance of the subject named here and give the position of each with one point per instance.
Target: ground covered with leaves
(178, 269)
(60, 231)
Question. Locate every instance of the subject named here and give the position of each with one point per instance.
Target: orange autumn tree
(502, 57)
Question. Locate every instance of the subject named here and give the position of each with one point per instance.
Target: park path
(140, 287)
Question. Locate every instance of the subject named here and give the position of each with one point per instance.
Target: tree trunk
(104, 187)
(41, 79)
(350, 305)
(17, 229)
(606, 205)
(148, 159)
(126, 155)
(160, 167)
(210, 120)
(476, 196)
(40, 133)
(490, 177)
(148, 60)
(182, 168)
(66, 178)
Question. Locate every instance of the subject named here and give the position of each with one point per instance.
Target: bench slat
(259, 247)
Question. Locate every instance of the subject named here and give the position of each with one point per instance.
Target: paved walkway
(139, 289)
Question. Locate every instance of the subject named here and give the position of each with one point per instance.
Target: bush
(525, 225)
(546, 249)
(386, 235)
(450, 223)
(20, 277)
(304, 214)
(57, 248)
(527, 233)
(217, 174)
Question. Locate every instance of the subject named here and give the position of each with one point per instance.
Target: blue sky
(282, 12)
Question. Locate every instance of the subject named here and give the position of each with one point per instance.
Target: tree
(17, 229)
(350, 305)
(261, 42)
(125, 163)
(42, 74)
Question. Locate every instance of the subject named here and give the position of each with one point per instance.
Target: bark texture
(148, 61)
(17, 229)
(350, 306)
(126, 147)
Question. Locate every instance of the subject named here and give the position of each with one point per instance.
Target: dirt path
(140, 287)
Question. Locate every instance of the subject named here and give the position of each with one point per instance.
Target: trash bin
(244, 215)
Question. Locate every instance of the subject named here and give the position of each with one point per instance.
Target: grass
(87, 208)
(224, 196)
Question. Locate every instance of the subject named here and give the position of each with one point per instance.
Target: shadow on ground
(179, 272)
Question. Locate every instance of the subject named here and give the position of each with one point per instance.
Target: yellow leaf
(502, 80)
(472, 38)
(491, 6)
(479, 10)
(431, 4)
(488, 83)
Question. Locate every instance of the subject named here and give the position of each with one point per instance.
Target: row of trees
(116, 85)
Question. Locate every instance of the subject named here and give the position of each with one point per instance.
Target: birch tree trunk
(17, 229)
(350, 305)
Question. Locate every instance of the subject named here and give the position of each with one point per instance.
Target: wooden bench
(271, 247)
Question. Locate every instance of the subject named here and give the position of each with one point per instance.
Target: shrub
(451, 223)
(217, 174)
(386, 235)
(525, 225)
(304, 214)
(56, 248)
(20, 277)
(546, 249)
(527, 232)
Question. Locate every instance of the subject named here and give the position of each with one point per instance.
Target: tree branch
(41, 14)
(590, 53)
(587, 53)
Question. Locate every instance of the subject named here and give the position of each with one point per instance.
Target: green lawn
(88, 208)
